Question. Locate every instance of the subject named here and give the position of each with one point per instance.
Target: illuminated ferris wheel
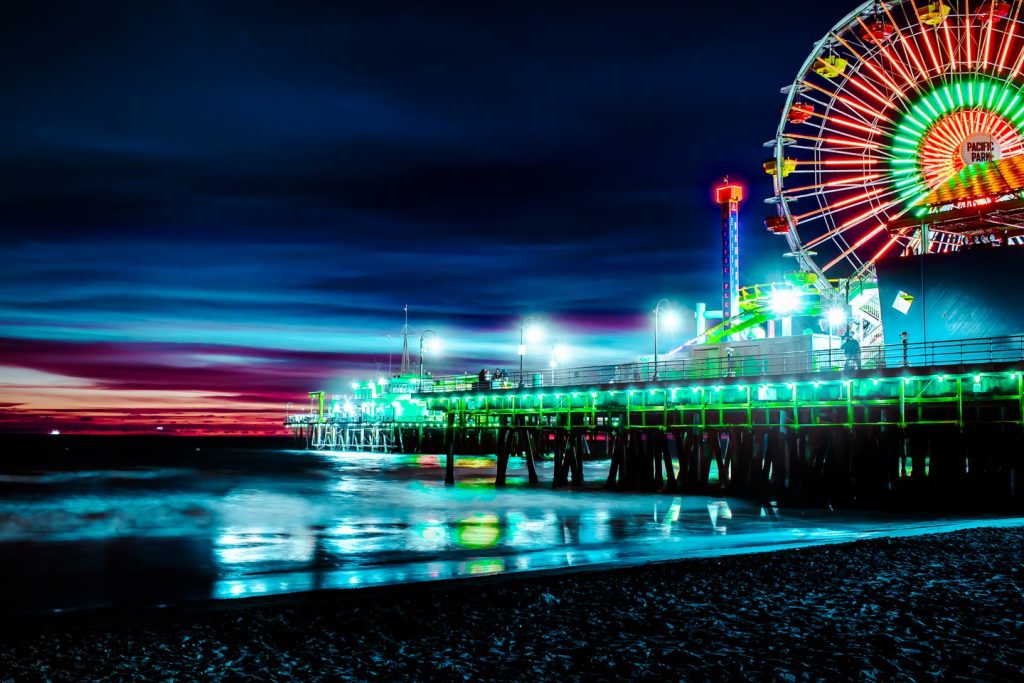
(898, 99)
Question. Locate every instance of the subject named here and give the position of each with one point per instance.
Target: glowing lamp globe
(670, 319)
(836, 316)
(785, 301)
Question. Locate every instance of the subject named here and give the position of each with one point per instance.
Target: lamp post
(528, 322)
(836, 318)
(663, 307)
(432, 336)
(557, 354)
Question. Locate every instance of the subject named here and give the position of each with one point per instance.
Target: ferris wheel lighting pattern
(897, 99)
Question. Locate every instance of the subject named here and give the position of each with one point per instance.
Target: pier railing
(725, 362)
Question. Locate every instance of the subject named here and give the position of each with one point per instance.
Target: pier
(937, 419)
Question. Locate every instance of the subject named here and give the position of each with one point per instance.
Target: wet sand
(947, 606)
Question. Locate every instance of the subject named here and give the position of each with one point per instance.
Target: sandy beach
(936, 607)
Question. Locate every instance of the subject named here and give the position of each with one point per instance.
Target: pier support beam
(449, 463)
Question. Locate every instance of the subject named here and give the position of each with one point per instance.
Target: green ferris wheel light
(982, 93)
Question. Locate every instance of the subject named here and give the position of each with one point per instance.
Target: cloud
(239, 204)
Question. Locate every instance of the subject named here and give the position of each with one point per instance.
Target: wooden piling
(449, 463)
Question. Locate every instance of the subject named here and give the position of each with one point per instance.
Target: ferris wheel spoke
(857, 105)
(839, 163)
(986, 42)
(923, 33)
(911, 52)
(873, 68)
(865, 115)
(866, 185)
(827, 98)
(943, 134)
(968, 54)
(871, 91)
(893, 241)
(853, 201)
(843, 255)
(1018, 63)
(825, 195)
(846, 225)
(853, 181)
(947, 36)
(850, 124)
(1007, 40)
(846, 154)
(852, 129)
(845, 147)
(896, 63)
(839, 140)
(820, 170)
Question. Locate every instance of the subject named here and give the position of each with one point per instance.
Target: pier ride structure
(892, 104)
(728, 196)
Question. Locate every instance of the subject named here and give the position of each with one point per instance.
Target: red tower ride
(728, 195)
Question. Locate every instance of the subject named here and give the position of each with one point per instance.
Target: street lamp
(836, 318)
(430, 337)
(527, 328)
(558, 353)
(663, 308)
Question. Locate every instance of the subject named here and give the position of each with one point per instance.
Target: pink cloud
(130, 387)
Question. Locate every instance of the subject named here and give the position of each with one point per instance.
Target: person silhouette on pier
(851, 348)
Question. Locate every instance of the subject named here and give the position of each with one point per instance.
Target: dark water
(237, 523)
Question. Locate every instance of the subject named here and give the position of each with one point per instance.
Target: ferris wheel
(896, 100)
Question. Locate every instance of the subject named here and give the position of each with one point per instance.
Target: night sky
(209, 209)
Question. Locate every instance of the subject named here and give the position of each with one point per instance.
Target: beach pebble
(916, 608)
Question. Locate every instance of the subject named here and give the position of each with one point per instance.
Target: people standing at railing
(851, 349)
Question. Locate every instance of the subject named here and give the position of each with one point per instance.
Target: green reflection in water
(478, 531)
(490, 565)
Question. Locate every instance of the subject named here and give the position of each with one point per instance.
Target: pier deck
(821, 434)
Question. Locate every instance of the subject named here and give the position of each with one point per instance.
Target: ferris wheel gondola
(896, 100)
